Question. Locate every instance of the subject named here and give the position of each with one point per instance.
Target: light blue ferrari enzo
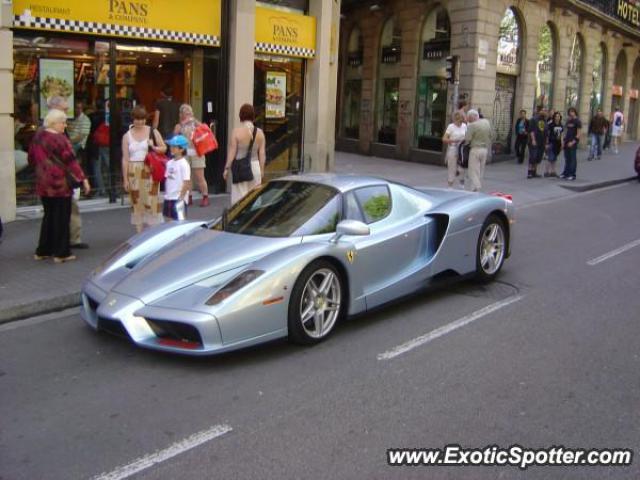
(291, 259)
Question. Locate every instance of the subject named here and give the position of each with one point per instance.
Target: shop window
(80, 71)
(352, 91)
(619, 81)
(351, 106)
(299, 6)
(388, 83)
(545, 67)
(390, 93)
(574, 73)
(432, 87)
(507, 71)
(278, 101)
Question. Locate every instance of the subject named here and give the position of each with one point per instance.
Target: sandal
(64, 259)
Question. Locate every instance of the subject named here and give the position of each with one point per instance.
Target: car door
(384, 261)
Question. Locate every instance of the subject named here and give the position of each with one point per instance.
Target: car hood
(193, 258)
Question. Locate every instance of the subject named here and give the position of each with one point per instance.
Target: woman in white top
(136, 176)
(453, 136)
(617, 127)
(238, 146)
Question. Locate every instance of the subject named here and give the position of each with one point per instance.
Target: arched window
(388, 83)
(507, 71)
(598, 75)
(352, 93)
(431, 101)
(619, 81)
(574, 73)
(632, 117)
(545, 67)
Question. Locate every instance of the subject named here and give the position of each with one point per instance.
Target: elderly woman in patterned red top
(51, 156)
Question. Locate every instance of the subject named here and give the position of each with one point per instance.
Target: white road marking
(28, 322)
(613, 253)
(439, 332)
(177, 448)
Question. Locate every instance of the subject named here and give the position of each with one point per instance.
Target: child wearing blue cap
(177, 180)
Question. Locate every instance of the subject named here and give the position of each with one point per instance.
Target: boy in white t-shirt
(177, 180)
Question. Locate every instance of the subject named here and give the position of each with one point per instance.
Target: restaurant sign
(284, 33)
(145, 19)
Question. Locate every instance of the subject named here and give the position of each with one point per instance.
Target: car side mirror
(351, 227)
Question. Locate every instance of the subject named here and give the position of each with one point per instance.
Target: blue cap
(178, 141)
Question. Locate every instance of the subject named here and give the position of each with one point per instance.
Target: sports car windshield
(283, 209)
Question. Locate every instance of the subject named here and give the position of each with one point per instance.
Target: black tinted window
(282, 209)
(375, 202)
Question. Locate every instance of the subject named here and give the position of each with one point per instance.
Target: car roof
(341, 182)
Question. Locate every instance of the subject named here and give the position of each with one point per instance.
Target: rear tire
(316, 304)
(491, 248)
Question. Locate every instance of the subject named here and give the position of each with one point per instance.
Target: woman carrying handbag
(246, 152)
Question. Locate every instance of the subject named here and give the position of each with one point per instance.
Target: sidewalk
(29, 287)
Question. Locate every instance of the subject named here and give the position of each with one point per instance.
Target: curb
(597, 185)
(39, 307)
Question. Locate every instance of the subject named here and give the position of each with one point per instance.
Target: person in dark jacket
(537, 139)
(522, 135)
(554, 143)
(51, 156)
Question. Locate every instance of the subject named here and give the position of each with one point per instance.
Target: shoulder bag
(241, 167)
(157, 162)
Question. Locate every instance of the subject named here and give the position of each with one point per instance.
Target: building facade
(394, 99)
(281, 56)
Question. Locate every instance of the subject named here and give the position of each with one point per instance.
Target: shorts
(175, 209)
(197, 162)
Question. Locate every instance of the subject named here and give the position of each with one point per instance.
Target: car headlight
(234, 285)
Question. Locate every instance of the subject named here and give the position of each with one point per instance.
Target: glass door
(278, 102)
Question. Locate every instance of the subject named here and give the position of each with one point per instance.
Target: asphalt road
(557, 366)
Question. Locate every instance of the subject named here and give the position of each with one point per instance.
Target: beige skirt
(239, 190)
(143, 194)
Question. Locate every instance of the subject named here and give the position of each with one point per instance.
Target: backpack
(203, 139)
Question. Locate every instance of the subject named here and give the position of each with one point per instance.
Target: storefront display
(284, 39)
(106, 77)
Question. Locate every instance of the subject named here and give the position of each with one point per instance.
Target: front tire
(491, 248)
(316, 304)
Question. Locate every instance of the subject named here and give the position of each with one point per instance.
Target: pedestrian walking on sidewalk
(478, 136)
(167, 113)
(537, 138)
(571, 139)
(617, 128)
(246, 141)
(453, 136)
(52, 158)
(522, 135)
(554, 144)
(186, 127)
(597, 130)
(75, 221)
(136, 175)
(177, 180)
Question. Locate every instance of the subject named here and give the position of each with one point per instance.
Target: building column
(242, 25)
(7, 160)
(370, 26)
(625, 90)
(321, 88)
(609, 74)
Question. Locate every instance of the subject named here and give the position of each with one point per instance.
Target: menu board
(276, 95)
(56, 80)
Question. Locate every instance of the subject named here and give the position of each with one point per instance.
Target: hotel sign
(629, 12)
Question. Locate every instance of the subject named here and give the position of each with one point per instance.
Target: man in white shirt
(177, 180)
